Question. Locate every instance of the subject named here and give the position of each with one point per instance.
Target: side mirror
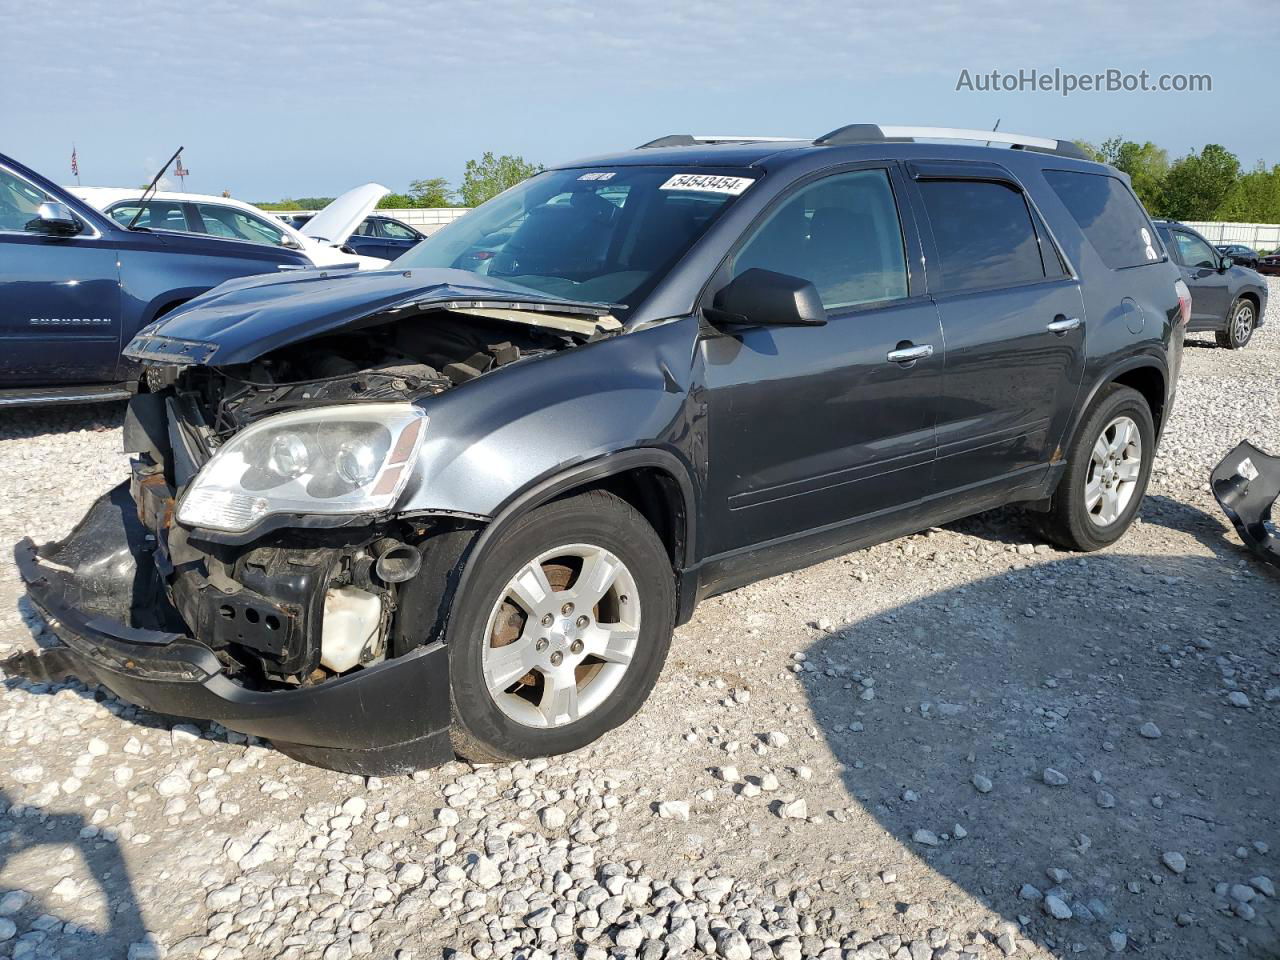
(287, 241)
(1227, 263)
(763, 298)
(55, 219)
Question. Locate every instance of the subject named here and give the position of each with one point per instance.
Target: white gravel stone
(1054, 778)
(1174, 861)
(673, 810)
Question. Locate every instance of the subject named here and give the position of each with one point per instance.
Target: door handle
(910, 354)
(1065, 325)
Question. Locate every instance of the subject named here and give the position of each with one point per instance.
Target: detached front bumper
(101, 594)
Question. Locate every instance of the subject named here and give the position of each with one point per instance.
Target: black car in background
(1241, 254)
(380, 517)
(1226, 299)
(377, 236)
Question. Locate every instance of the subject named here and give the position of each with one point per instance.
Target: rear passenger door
(1014, 325)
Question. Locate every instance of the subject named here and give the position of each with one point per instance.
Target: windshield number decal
(707, 183)
(603, 175)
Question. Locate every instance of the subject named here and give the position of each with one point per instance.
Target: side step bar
(79, 393)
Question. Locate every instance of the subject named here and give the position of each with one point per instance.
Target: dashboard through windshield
(605, 234)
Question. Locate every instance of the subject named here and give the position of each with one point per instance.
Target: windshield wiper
(151, 188)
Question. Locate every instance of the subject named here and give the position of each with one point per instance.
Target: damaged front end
(255, 569)
(1246, 484)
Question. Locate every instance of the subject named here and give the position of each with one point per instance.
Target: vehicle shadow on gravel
(996, 731)
(97, 889)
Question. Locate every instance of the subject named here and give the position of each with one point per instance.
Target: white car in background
(320, 239)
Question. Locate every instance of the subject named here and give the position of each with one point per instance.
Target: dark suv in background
(459, 506)
(75, 286)
(1227, 299)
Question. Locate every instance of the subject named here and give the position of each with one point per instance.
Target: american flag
(180, 170)
(75, 165)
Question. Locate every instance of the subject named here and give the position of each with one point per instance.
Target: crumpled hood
(242, 319)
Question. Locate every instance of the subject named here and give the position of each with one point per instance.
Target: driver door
(825, 429)
(59, 297)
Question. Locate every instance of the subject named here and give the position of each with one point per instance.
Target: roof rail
(875, 133)
(692, 140)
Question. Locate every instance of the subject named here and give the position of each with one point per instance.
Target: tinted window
(984, 235)
(367, 228)
(841, 233)
(1109, 216)
(157, 215)
(397, 231)
(233, 223)
(1195, 252)
(19, 202)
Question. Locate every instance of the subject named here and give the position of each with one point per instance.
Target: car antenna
(151, 188)
(994, 129)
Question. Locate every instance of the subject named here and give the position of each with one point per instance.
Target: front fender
(489, 443)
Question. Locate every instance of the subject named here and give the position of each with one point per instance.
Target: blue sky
(282, 98)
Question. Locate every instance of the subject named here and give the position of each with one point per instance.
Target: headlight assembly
(338, 460)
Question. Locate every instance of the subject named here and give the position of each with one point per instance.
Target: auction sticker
(708, 183)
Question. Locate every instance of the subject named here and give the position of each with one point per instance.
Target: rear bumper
(95, 586)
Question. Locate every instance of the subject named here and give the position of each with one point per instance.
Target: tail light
(1184, 302)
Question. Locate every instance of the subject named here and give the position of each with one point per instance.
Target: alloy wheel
(561, 635)
(1242, 323)
(1115, 464)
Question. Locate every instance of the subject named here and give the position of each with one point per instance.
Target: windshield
(604, 234)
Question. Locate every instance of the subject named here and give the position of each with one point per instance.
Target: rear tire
(1241, 320)
(1108, 466)
(542, 658)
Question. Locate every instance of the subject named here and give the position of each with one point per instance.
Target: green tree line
(1206, 184)
(482, 178)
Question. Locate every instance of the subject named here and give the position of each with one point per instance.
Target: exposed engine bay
(303, 603)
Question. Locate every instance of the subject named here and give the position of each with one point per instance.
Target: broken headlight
(338, 460)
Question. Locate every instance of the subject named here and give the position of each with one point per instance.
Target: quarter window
(1108, 215)
(984, 235)
(842, 234)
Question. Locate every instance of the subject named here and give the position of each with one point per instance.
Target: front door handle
(910, 354)
(1065, 324)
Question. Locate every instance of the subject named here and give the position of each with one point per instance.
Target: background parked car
(1228, 299)
(1270, 263)
(1241, 254)
(236, 220)
(75, 286)
(377, 236)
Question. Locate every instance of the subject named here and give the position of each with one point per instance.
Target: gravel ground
(959, 744)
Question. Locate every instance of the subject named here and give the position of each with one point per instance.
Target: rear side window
(1109, 216)
(984, 235)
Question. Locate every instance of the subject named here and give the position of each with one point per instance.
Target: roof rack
(691, 140)
(875, 133)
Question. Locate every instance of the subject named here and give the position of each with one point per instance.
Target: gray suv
(458, 506)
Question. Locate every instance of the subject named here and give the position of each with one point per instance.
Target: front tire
(1108, 467)
(1241, 319)
(562, 631)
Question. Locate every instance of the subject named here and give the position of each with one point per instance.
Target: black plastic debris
(1246, 484)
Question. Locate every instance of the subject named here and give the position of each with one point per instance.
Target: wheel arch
(1145, 373)
(652, 480)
